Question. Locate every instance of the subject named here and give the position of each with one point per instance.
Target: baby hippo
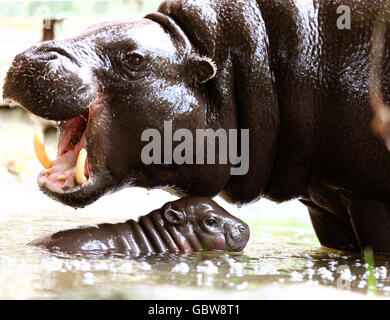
(184, 225)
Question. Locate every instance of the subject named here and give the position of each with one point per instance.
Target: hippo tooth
(40, 152)
(80, 176)
(48, 171)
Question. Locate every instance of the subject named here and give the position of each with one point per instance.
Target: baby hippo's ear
(174, 216)
(202, 69)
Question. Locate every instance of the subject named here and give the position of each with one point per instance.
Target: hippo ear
(174, 216)
(202, 69)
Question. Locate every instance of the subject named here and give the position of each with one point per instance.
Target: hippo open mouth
(72, 177)
(70, 169)
(48, 82)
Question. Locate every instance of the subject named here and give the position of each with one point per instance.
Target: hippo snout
(43, 53)
(237, 236)
(42, 77)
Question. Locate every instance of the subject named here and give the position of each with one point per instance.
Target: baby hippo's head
(212, 226)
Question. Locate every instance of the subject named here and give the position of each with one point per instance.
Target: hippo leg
(332, 231)
(371, 222)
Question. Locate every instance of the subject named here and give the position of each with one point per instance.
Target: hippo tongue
(71, 132)
(70, 167)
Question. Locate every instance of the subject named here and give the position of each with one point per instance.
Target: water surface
(282, 260)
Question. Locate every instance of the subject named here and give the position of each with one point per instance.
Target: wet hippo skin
(281, 69)
(184, 225)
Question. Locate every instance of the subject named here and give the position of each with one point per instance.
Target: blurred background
(282, 260)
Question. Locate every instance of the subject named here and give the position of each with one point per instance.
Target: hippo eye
(135, 59)
(211, 222)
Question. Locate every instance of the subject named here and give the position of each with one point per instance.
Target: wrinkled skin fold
(300, 87)
(185, 225)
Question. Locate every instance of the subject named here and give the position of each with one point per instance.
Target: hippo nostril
(51, 53)
(241, 228)
(47, 56)
(50, 57)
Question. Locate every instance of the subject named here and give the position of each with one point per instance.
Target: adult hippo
(282, 69)
(184, 225)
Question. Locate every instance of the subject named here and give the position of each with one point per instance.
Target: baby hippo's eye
(135, 59)
(211, 222)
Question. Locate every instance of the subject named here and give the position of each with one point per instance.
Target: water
(282, 260)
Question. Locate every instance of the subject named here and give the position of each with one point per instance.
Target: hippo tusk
(61, 177)
(40, 152)
(80, 167)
